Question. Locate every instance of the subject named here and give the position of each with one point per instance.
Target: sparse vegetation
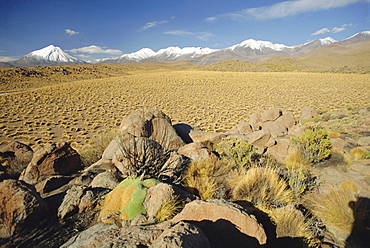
(313, 144)
(168, 210)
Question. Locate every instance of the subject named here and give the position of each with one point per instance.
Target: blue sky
(109, 28)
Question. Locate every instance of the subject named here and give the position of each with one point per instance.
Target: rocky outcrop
(17, 156)
(52, 159)
(214, 217)
(20, 207)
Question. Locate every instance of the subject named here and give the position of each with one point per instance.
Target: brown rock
(270, 115)
(222, 213)
(52, 159)
(152, 124)
(107, 179)
(71, 201)
(18, 155)
(296, 130)
(180, 235)
(51, 183)
(20, 207)
(308, 113)
(255, 121)
(241, 128)
(287, 119)
(280, 150)
(276, 129)
(200, 136)
(259, 139)
(195, 151)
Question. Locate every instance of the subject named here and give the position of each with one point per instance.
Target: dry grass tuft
(264, 188)
(204, 177)
(290, 222)
(359, 153)
(168, 210)
(333, 208)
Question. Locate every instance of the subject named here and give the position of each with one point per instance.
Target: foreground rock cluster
(48, 199)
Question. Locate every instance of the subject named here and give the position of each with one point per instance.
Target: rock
(364, 141)
(18, 156)
(200, 136)
(96, 236)
(276, 129)
(296, 130)
(180, 235)
(280, 150)
(53, 159)
(21, 207)
(161, 193)
(241, 128)
(71, 201)
(287, 119)
(194, 151)
(152, 124)
(255, 121)
(90, 199)
(270, 115)
(259, 139)
(308, 113)
(107, 179)
(51, 183)
(223, 221)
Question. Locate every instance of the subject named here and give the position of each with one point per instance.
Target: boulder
(159, 194)
(18, 156)
(287, 119)
(200, 136)
(107, 179)
(280, 150)
(71, 201)
(274, 128)
(255, 121)
(308, 113)
(296, 130)
(223, 223)
(152, 124)
(260, 139)
(194, 151)
(241, 128)
(51, 183)
(21, 207)
(180, 235)
(53, 159)
(270, 115)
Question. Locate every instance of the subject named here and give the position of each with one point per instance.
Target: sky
(90, 29)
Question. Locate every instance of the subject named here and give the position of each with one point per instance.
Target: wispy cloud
(283, 9)
(183, 33)
(333, 30)
(71, 32)
(153, 24)
(95, 49)
(321, 31)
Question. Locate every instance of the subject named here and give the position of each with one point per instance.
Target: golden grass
(214, 101)
(168, 210)
(264, 188)
(204, 177)
(333, 208)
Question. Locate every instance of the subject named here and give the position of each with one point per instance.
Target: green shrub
(314, 144)
(235, 149)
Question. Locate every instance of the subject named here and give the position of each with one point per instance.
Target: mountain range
(249, 50)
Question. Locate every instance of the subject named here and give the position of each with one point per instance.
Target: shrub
(359, 153)
(125, 201)
(204, 177)
(93, 151)
(264, 188)
(313, 144)
(236, 149)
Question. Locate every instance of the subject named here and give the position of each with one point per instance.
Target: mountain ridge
(249, 50)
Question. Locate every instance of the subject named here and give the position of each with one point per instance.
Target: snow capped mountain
(50, 55)
(249, 50)
(259, 45)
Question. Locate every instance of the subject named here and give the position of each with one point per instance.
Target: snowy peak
(259, 45)
(52, 54)
(142, 54)
(175, 52)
